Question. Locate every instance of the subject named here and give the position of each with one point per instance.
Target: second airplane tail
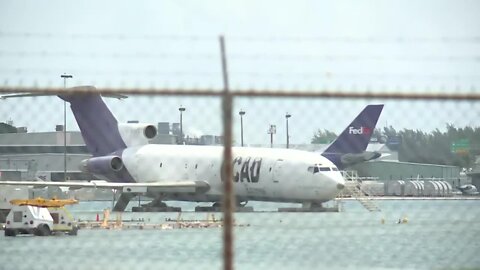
(355, 138)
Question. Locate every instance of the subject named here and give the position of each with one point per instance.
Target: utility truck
(41, 217)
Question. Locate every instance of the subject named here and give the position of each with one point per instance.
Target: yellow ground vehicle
(40, 217)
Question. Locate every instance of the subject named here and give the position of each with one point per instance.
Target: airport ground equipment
(41, 217)
(353, 189)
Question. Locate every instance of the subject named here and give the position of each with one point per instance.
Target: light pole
(272, 130)
(241, 113)
(65, 77)
(287, 115)
(181, 109)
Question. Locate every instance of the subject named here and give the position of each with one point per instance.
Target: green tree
(389, 131)
(436, 147)
(323, 137)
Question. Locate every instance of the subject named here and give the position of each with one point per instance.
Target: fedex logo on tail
(359, 131)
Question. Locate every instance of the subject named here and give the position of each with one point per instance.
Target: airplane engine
(137, 134)
(102, 165)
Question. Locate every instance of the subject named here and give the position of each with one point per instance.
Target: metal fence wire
(408, 200)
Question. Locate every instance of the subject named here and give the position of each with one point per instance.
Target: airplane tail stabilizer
(97, 124)
(355, 138)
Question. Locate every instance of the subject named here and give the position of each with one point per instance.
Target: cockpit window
(318, 168)
(335, 169)
(313, 169)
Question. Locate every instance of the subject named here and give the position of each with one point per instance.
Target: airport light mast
(241, 113)
(181, 109)
(272, 130)
(287, 115)
(65, 77)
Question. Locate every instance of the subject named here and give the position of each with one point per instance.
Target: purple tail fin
(98, 125)
(355, 138)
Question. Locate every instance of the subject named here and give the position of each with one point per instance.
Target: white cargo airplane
(122, 155)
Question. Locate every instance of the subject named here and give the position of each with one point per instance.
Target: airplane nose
(339, 181)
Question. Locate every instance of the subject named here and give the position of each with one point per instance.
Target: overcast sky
(408, 46)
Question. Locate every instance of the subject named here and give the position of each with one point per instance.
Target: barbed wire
(124, 72)
(140, 55)
(333, 39)
(250, 57)
(352, 39)
(251, 92)
(197, 73)
(57, 35)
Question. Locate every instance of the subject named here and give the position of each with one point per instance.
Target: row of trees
(455, 146)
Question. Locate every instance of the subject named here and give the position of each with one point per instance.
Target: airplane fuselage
(264, 174)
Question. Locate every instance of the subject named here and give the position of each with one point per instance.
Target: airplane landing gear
(217, 207)
(123, 201)
(310, 207)
(157, 205)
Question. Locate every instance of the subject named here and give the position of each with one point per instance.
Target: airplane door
(278, 176)
(278, 172)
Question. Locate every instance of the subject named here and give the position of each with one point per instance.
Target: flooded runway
(439, 235)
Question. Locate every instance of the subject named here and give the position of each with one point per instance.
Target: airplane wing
(166, 187)
(108, 95)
